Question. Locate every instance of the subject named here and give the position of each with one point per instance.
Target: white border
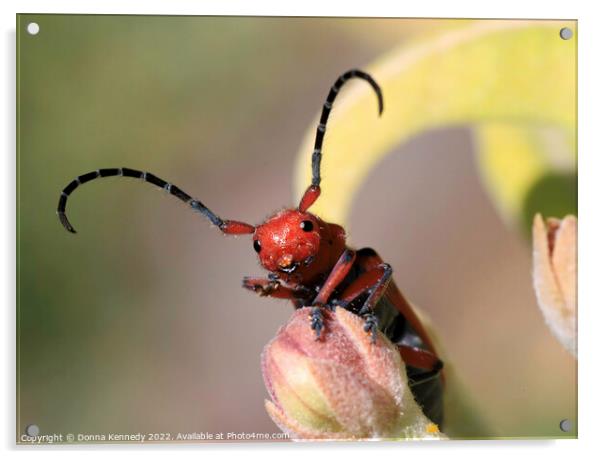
(590, 151)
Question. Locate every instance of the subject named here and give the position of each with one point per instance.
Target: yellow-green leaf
(513, 81)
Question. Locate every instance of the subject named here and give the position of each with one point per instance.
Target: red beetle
(310, 264)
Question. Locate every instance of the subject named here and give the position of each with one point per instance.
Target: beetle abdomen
(426, 385)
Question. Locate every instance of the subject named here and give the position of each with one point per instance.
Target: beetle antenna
(227, 226)
(313, 192)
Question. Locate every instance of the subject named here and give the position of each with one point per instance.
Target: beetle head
(298, 245)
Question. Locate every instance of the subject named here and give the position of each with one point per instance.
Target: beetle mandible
(310, 264)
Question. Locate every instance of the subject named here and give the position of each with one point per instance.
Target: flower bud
(555, 276)
(341, 386)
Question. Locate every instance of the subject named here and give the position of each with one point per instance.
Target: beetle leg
(274, 289)
(368, 259)
(371, 325)
(336, 276)
(378, 289)
(374, 282)
(422, 359)
(337, 303)
(317, 320)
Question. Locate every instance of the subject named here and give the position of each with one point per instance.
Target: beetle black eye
(307, 226)
(257, 245)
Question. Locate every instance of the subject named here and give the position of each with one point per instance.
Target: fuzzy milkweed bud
(555, 276)
(342, 386)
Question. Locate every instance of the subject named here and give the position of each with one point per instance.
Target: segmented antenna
(321, 130)
(313, 191)
(227, 226)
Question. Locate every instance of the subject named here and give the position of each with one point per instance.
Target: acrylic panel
(408, 189)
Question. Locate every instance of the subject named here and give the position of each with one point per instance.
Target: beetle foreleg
(317, 320)
(336, 276)
(371, 325)
(274, 289)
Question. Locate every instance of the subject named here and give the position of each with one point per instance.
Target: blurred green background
(138, 323)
